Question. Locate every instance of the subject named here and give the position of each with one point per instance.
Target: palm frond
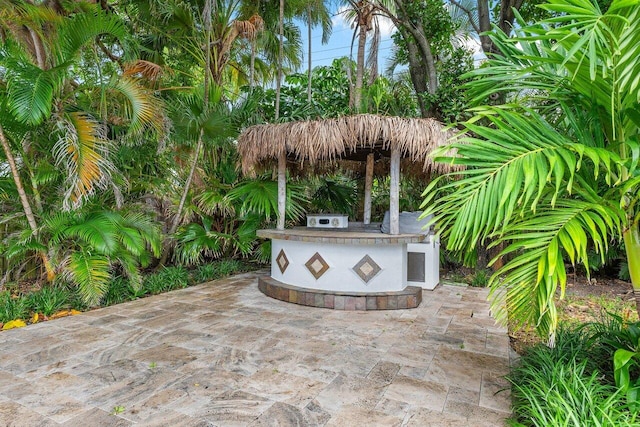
(130, 266)
(212, 201)
(550, 180)
(509, 167)
(83, 149)
(142, 109)
(628, 66)
(260, 196)
(30, 91)
(85, 27)
(149, 70)
(147, 232)
(90, 272)
(538, 245)
(98, 231)
(195, 241)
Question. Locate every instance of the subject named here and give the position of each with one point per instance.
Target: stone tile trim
(410, 297)
(366, 269)
(282, 261)
(317, 266)
(339, 237)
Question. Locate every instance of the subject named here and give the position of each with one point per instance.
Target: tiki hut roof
(344, 138)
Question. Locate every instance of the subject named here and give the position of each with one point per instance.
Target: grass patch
(48, 300)
(12, 307)
(573, 383)
(166, 279)
(51, 300)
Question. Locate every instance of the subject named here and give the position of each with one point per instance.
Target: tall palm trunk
(280, 55)
(309, 55)
(252, 64)
(362, 40)
(26, 206)
(282, 158)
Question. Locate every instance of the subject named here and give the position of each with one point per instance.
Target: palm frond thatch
(339, 138)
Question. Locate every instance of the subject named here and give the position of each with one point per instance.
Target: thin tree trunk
(427, 55)
(421, 49)
(26, 206)
(394, 192)
(192, 170)
(632, 248)
(280, 55)
(282, 157)
(362, 41)
(282, 189)
(484, 21)
(309, 55)
(38, 49)
(368, 184)
(507, 15)
(418, 77)
(207, 82)
(252, 66)
(16, 179)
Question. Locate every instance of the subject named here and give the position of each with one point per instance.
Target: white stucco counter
(340, 260)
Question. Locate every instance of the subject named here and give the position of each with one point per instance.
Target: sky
(339, 44)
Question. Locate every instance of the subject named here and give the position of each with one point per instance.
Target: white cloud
(386, 26)
(343, 19)
(470, 43)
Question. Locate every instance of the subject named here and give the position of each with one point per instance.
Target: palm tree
(315, 12)
(554, 172)
(364, 14)
(225, 29)
(48, 114)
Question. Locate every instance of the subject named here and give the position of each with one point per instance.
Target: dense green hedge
(51, 299)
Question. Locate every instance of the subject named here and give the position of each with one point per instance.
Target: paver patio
(223, 354)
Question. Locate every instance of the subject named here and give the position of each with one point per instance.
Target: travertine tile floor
(223, 354)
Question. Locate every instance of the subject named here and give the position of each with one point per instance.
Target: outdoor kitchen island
(333, 263)
(357, 268)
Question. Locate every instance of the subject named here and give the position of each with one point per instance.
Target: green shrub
(564, 386)
(227, 267)
(480, 279)
(117, 292)
(167, 279)
(153, 284)
(217, 270)
(136, 293)
(620, 340)
(48, 300)
(76, 302)
(566, 395)
(12, 308)
(205, 273)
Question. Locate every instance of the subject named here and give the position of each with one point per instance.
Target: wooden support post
(368, 183)
(282, 188)
(394, 193)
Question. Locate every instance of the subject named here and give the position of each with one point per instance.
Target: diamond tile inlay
(366, 268)
(282, 261)
(317, 265)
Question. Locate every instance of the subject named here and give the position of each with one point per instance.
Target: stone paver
(223, 354)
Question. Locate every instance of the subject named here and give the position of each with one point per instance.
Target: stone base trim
(409, 297)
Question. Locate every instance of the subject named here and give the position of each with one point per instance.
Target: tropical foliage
(553, 173)
(573, 383)
(118, 120)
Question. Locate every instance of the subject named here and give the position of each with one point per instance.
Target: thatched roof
(344, 138)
